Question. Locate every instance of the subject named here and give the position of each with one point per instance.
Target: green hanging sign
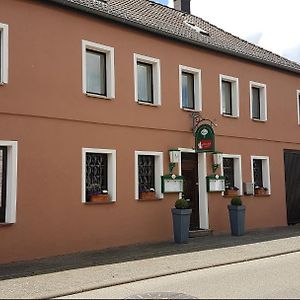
(205, 139)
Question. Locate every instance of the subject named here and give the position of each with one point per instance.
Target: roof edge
(171, 36)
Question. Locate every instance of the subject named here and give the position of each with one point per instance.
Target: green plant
(182, 204)
(236, 201)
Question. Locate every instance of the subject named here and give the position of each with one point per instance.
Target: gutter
(172, 36)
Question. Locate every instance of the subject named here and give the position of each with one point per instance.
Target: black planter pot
(237, 219)
(181, 224)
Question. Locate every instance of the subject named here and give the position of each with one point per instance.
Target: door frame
(203, 195)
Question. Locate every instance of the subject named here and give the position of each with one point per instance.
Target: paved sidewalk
(59, 276)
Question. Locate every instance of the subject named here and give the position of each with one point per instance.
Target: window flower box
(260, 191)
(231, 192)
(148, 195)
(100, 197)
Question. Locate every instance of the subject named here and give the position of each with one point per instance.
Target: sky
(271, 24)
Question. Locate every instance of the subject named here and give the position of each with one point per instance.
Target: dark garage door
(292, 183)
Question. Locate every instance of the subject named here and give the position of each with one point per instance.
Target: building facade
(92, 101)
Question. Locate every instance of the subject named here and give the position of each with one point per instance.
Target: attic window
(195, 27)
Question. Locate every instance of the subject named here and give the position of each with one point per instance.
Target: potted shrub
(237, 216)
(148, 194)
(231, 191)
(181, 221)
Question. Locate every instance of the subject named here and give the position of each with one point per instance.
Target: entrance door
(189, 165)
(292, 183)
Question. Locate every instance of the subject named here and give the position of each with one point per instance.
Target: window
(298, 105)
(98, 173)
(3, 53)
(232, 171)
(98, 70)
(258, 101)
(8, 181)
(147, 80)
(148, 172)
(229, 90)
(190, 88)
(261, 173)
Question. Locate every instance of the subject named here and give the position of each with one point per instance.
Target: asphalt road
(272, 278)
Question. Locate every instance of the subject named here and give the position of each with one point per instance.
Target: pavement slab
(167, 259)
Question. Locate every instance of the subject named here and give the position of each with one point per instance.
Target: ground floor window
(8, 181)
(148, 169)
(99, 175)
(261, 175)
(232, 171)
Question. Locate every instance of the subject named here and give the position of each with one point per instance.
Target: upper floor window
(229, 90)
(148, 172)
(298, 106)
(190, 88)
(8, 181)
(3, 53)
(99, 175)
(258, 101)
(261, 173)
(147, 80)
(98, 70)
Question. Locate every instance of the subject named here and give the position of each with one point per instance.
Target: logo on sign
(205, 144)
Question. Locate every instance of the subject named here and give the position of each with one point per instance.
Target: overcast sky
(271, 24)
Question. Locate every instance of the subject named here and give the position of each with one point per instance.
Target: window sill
(190, 110)
(99, 203)
(2, 83)
(148, 104)
(259, 121)
(229, 116)
(5, 224)
(98, 96)
(149, 200)
(268, 195)
(228, 196)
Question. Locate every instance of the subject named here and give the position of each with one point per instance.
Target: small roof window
(195, 27)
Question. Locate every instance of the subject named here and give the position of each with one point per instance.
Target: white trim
(237, 160)
(155, 62)
(11, 193)
(263, 100)
(110, 67)
(4, 53)
(197, 87)
(235, 96)
(298, 106)
(265, 170)
(159, 171)
(203, 195)
(112, 172)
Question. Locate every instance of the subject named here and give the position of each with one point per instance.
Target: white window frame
(159, 168)
(197, 87)
(265, 170)
(11, 193)
(156, 69)
(110, 68)
(298, 106)
(4, 54)
(235, 96)
(238, 179)
(263, 101)
(111, 171)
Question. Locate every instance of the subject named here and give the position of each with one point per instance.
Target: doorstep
(200, 233)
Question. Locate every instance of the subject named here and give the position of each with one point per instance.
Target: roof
(171, 23)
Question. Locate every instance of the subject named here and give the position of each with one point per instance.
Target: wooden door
(189, 165)
(292, 183)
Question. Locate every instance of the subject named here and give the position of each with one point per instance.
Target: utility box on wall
(215, 183)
